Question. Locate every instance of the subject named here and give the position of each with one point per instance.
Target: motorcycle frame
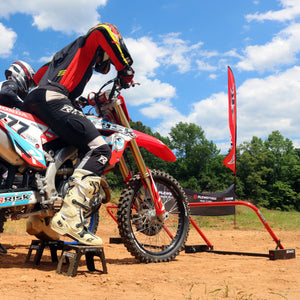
(47, 192)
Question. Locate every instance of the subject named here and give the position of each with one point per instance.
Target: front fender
(154, 146)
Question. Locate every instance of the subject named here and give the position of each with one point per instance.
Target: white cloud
(296, 143)
(291, 10)
(204, 66)
(162, 109)
(268, 104)
(149, 92)
(7, 40)
(167, 112)
(146, 55)
(212, 115)
(66, 16)
(178, 52)
(45, 59)
(282, 50)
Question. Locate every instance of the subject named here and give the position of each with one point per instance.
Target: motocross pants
(69, 122)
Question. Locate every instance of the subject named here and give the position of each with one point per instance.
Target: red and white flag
(230, 159)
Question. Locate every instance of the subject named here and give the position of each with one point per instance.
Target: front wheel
(144, 236)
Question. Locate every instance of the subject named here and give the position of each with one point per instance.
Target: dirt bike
(152, 213)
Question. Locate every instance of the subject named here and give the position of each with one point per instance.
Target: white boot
(69, 220)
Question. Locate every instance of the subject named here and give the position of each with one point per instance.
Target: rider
(64, 79)
(19, 79)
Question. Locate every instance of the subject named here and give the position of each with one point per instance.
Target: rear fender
(24, 132)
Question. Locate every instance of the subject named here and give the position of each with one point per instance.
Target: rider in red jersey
(60, 82)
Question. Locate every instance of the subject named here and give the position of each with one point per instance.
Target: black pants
(57, 111)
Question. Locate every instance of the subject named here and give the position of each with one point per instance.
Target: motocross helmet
(104, 65)
(22, 73)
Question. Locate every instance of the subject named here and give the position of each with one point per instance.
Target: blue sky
(181, 50)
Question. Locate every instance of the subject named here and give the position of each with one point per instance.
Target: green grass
(246, 218)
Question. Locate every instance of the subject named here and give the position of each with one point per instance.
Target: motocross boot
(69, 220)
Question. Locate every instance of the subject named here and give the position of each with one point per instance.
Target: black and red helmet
(103, 66)
(22, 73)
(119, 38)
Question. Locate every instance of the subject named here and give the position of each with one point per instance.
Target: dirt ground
(190, 276)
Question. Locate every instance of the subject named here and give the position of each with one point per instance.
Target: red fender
(154, 146)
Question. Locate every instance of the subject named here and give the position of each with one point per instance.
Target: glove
(125, 77)
(91, 98)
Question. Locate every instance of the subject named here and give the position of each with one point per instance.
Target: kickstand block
(282, 254)
(71, 255)
(115, 240)
(197, 248)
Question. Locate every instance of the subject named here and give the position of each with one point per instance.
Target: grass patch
(17, 227)
(246, 218)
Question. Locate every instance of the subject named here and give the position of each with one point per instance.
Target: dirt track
(190, 276)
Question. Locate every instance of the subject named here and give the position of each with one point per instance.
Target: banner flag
(227, 195)
(230, 159)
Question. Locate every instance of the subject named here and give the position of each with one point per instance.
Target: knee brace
(96, 159)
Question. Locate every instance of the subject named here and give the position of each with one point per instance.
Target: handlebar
(83, 102)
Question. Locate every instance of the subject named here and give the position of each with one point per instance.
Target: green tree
(284, 178)
(198, 161)
(252, 170)
(269, 172)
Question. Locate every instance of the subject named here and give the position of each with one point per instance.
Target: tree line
(268, 172)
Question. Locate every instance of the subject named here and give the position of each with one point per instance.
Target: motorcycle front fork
(145, 173)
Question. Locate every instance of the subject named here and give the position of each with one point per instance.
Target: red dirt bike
(152, 215)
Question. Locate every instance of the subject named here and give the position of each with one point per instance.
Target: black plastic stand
(39, 246)
(71, 256)
(2, 249)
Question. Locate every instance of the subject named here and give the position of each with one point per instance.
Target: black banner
(227, 195)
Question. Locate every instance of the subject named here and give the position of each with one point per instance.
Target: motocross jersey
(72, 67)
(9, 94)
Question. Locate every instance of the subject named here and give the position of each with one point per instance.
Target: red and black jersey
(72, 66)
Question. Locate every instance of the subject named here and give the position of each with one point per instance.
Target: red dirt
(190, 276)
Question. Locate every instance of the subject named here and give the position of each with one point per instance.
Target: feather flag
(230, 159)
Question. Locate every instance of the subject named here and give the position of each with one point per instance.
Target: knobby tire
(147, 240)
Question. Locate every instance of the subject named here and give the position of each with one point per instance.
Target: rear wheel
(144, 236)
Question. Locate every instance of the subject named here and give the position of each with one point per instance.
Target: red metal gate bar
(201, 233)
(108, 209)
(231, 203)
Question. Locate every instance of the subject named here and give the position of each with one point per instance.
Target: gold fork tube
(136, 151)
(123, 169)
